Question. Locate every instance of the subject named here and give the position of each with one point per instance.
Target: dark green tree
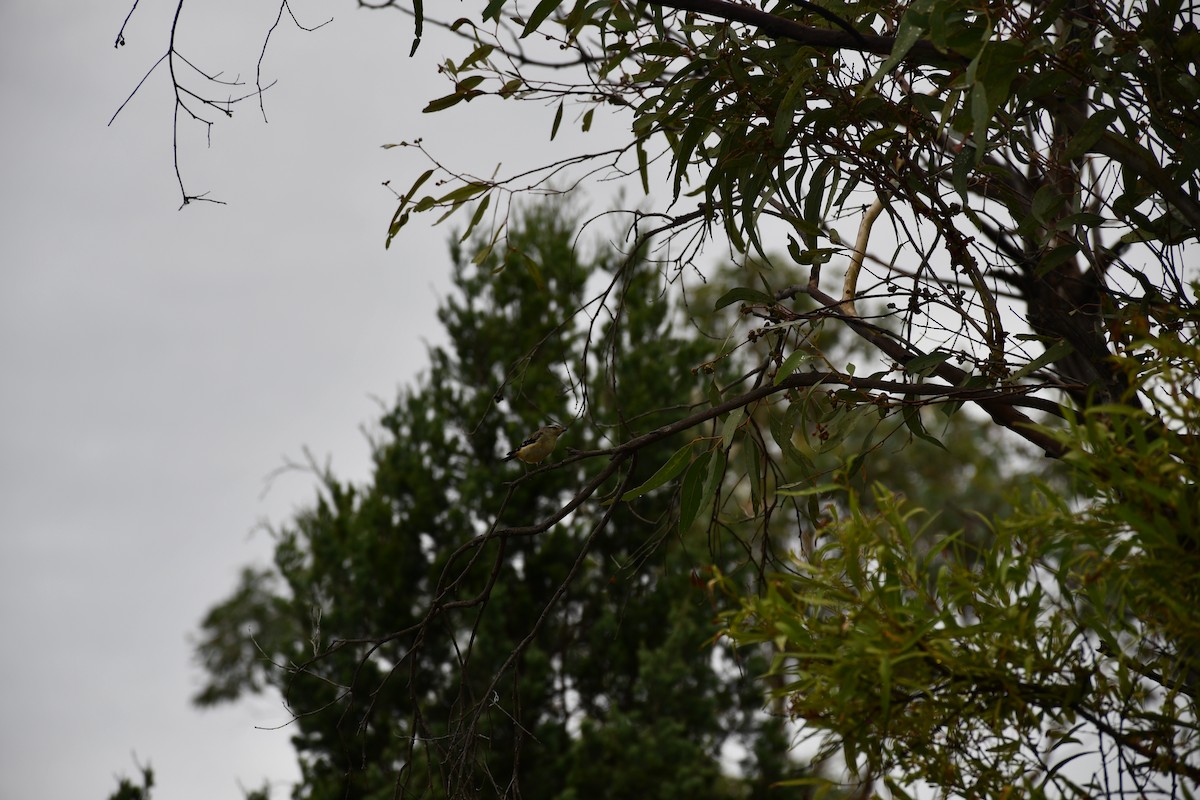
(446, 625)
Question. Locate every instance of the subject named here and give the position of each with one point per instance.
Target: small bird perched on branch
(539, 445)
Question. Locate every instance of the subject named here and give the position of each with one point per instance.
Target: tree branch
(923, 52)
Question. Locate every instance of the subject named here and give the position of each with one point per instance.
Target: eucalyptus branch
(997, 406)
(922, 52)
(850, 284)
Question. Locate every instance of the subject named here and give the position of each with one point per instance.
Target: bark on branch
(923, 52)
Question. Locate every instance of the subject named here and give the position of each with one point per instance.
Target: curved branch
(999, 407)
(850, 285)
(999, 402)
(922, 52)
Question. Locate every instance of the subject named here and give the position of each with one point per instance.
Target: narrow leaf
(743, 295)
(557, 121)
(807, 491)
(443, 103)
(981, 116)
(538, 16)
(927, 362)
(643, 168)
(1053, 353)
(790, 364)
(492, 12)
(675, 465)
(478, 215)
(715, 472)
(418, 26)
(730, 426)
(907, 35)
(691, 495)
(1090, 132)
(464, 193)
(912, 421)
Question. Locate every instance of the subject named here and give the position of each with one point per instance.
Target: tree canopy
(999, 204)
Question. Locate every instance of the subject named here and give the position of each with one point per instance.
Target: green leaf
(492, 11)
(483, 254)
(691, 494)
(926, 363)
(480, 53)
(1090, 132)
(443, 103)
(912, 421)
(394, 228)
(999, 64)
(714, 473)
(981, 116)
(807, 491)
(468, 83)
(751, 454)
(649, 72)
(418, 26)
(1087, 219)
(907, 35)
(478, 215)
(1046, 201)
(538, 16)
(643, 167)
(424, 176)
(1053, 353)
(661, 47)
(790, 364)
(400, 218)
(534, 271)
(1055, 258)
(700, 124)
(732, 420)
(782, 125)
(783, 431)
(1042, 85)
(675, 465)
(510, 87)
(741, 294)
(557, 121)
(816, 193)
(465, 192)
(793, 248)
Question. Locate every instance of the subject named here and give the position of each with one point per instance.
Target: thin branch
(183, 94)
(120, 108)
(267, 40)
(120, 42)
(831, 17)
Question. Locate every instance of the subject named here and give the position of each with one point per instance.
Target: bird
(539, 445)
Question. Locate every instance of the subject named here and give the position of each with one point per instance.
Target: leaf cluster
(988, 668)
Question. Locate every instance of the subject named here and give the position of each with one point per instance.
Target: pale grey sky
(158, 363)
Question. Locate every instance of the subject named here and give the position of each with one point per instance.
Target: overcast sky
(157, 364)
